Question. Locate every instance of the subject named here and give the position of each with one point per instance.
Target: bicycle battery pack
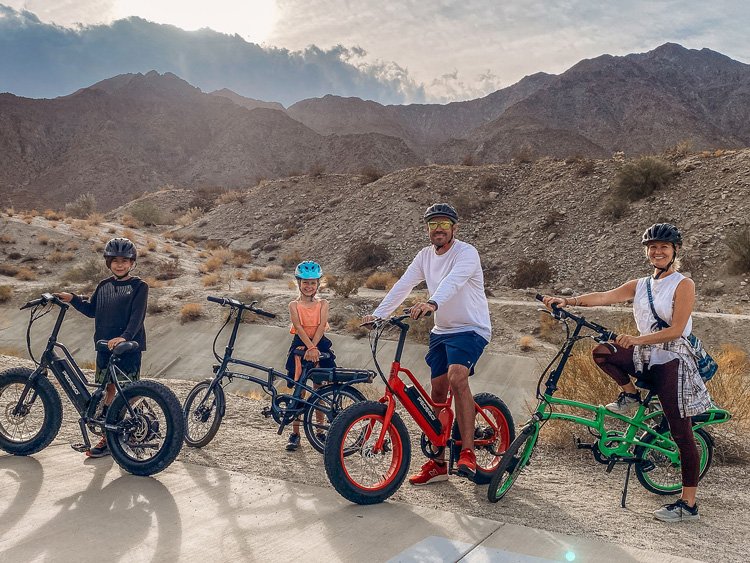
(423, 407)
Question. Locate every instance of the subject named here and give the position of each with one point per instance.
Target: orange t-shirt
(309, 318)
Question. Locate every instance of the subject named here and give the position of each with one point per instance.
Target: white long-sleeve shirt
(455, 282)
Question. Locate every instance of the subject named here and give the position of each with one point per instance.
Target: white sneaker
(626, 403)
(677, 512)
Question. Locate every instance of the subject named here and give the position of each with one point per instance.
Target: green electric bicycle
(645, 443)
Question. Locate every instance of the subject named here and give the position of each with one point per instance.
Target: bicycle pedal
(647, 465)
(80, 447)
(583, 445)
(266, 412)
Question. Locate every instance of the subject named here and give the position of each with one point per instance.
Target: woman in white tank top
(660, 356)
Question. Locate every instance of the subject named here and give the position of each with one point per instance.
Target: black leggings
(663, 379)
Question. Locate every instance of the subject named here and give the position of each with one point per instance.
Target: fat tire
(196, 394)
(311, 427)
(485, 473)
(50, 401)
(173, 439)
(335, 470)
(512, 463)
(703, 441)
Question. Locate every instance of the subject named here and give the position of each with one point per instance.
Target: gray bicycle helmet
(441, 210)
(120, 247)
(665, 232)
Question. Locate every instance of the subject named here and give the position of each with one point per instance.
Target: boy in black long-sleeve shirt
(118, 307)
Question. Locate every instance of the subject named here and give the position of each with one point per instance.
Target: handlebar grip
(263, 313)
(219, 300)
(32, 303)
(539, 297)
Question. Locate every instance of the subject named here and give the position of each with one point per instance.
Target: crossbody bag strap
(659, 320)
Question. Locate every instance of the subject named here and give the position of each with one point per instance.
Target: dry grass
(57, 257)
(8, 270)
(343, 286)
(381, 280)
(526, 343)
(291, 260)
(25, 274)
(273, 272)
(191, 312)
(7, 239)
(549, 329)
(211, 265)
(153, 283)
(190, 216)
(240, 258)
(43, 240)
(127, 220)
(6, 292)
(94, 219)
(256, 275)
(353, 328)
(235, 196)
(211, 280)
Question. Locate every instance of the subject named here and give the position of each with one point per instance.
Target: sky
(390, 51)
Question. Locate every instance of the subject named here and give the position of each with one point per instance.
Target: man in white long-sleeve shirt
(453, 273)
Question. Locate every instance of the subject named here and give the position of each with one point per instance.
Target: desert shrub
(190, 216)
(738, 242)
(57, 257)
(17, 256)
(370, 174)
(549, 329)
(90, 271)
(52, 215)
(289, 232)
(94, 218)
(585, 167)
(170, 270)
(155, 306)
(81, 207)
(256, 275)
(6, 292)
(205, 198)
(147, 213)
(524, 154)
(240, 258)
(466, 205)
(153, 283)
(614, 209)
(10, 211)
(381, 280)
(343, 286)
(271, 246)
(366, 254)
(248, 294)
(417, 184)
(273, 272)
(234, 196)
(5, 238)
(291, 260)
(468, 160)
(730, 389)
(211, 280)
(353, 328)
(642, 177)
(531, 273)
(211, 265)
(526, 343)
(25, 274)
(551, 218)
(419, 330)
(316, 170)
(680, 150)
(8, 270)
(191, 312)
(490, 183)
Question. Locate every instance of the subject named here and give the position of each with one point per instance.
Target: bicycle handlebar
(559, 312)
(228, 301)
(43, 300)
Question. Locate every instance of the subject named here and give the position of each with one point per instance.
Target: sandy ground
(562, 491)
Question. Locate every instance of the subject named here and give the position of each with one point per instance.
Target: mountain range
(136, 132)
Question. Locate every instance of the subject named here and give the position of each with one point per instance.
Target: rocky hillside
(133, 133)
(551, 210)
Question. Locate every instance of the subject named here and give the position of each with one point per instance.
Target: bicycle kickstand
(625, 488)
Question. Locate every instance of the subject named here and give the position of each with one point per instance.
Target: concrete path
(56, 507)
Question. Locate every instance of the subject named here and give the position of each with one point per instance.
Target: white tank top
(662, 291)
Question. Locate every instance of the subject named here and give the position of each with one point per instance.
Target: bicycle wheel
(203, 414)
(489, 455)
(332, 400)
(516, 457)
(659, 475)
(150, 439)
(40, 419)
(359, 474)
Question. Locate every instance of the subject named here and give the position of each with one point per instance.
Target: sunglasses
(445, 225)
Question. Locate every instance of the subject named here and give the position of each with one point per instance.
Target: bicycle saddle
(120, 349)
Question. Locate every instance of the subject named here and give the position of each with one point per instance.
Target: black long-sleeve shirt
(118, 309)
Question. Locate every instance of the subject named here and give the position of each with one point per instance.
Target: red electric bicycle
(368, 450)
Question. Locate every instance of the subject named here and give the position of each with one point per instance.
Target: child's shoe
(293, 442)
(431, 472)
(100, 450)
(467, 464)
(625, 403)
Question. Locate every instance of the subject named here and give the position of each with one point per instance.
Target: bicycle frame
(222, 371)
(70, 377)
(424, 414)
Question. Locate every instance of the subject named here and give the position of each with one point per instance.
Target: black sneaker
(293, 442)
(321, 437)
(100, 450)
(677, 512)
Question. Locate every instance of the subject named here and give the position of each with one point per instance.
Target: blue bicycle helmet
(308, 270)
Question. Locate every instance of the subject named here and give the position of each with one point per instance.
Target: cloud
(47, 60)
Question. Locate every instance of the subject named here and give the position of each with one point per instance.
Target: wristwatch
(431, 302)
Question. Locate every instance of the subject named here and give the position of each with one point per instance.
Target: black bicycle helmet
(441, 210)
(120, 247)
(665, 232)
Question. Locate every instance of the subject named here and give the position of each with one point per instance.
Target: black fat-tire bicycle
(645, 444)
(143, 425)
(318, 396)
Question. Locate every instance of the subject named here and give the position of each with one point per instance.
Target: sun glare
(252, 19)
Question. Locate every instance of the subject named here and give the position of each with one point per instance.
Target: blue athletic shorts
(462, 348)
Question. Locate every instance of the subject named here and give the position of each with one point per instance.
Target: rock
(494, 195)
(566, 291)
(551, 237)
